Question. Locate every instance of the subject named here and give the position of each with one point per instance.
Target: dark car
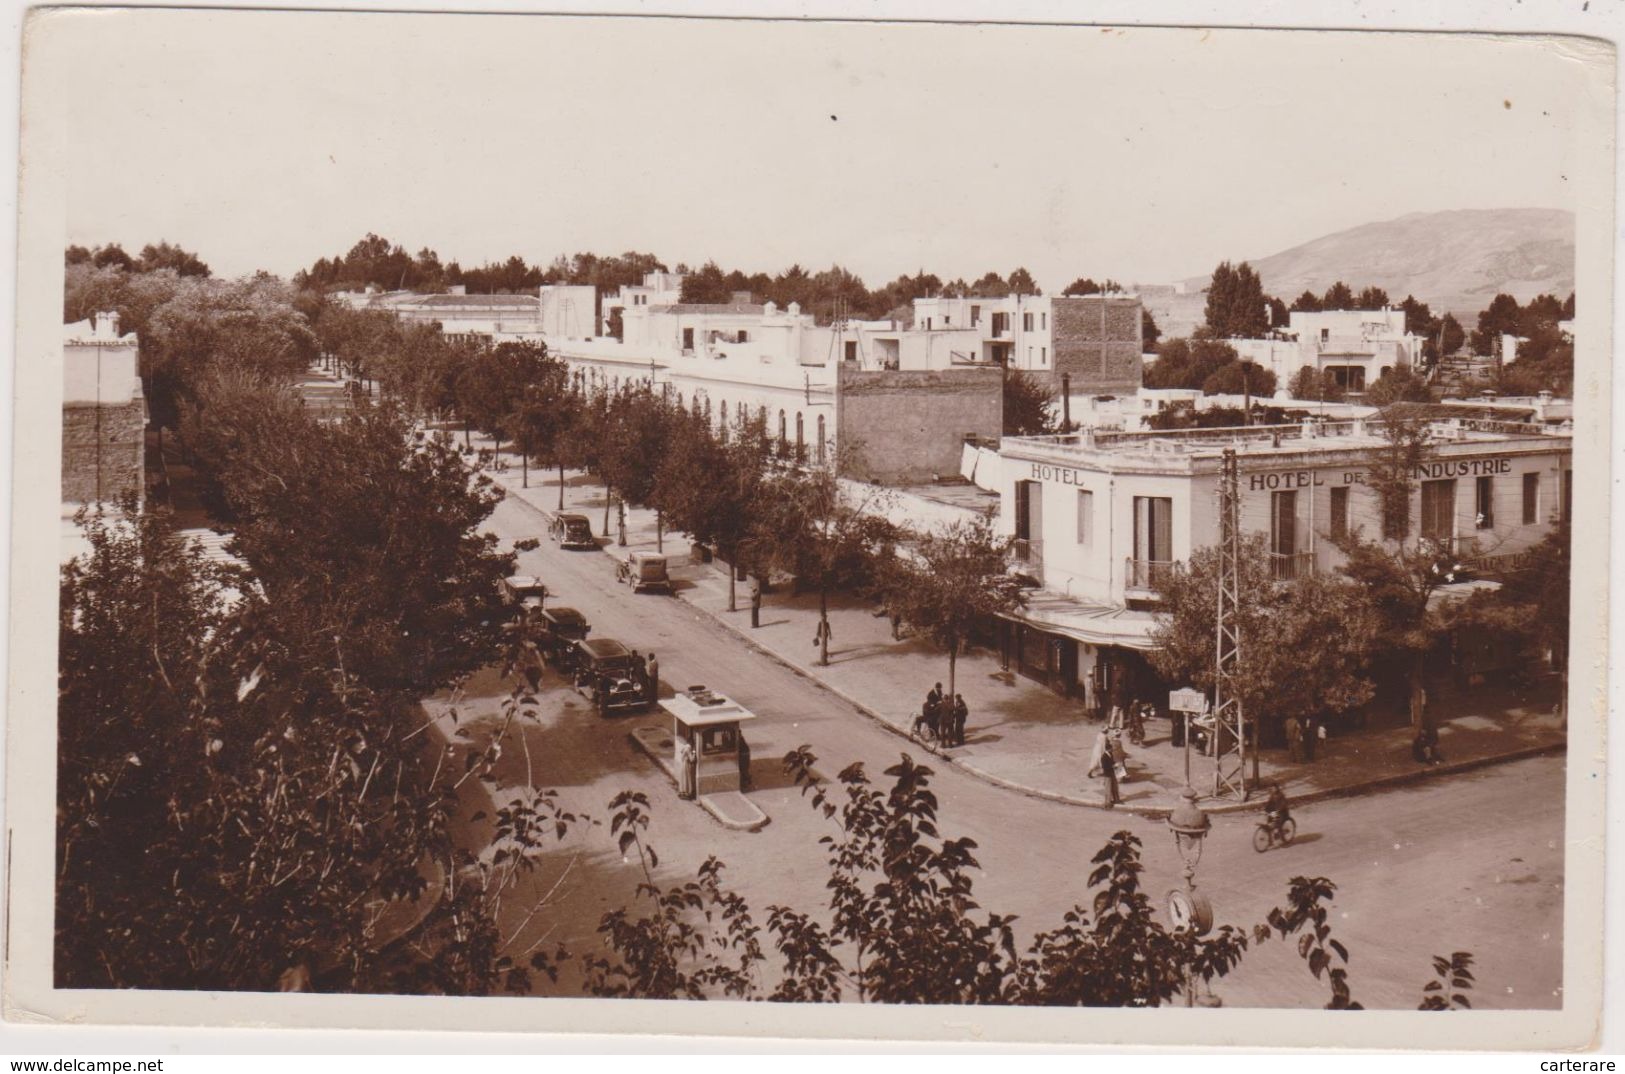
(608, 675)
(522, 592)
(559, 630)
(573, 531)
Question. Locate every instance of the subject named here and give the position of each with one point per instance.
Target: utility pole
(1229, 722)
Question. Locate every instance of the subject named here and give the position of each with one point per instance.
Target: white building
(1102, 518)
(1355, 346)
(1093, 340)
(657, 289)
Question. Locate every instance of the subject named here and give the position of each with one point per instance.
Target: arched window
(708, 410)
(801, 438)
(783, 437)
(820, 439)
(679, 400)
(761, 417)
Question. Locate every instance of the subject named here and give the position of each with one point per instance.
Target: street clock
(1189, 909)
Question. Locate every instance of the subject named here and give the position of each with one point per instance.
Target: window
(928, 324)
(1325, 334)
(851, 350)
(1001, 324)
(1439, 510)
(1043, 322)
(1043, 356)
(1283, 523)
(975, 315)
(947, 321)
(1154, 529)
(1484, 502)
(1086, 516)
(820, 438)
(743, 337)
(1026, 322)
(783, 434)
(801, 438)
(1531, 498)
(688, 340)
(1340, 512)
(1024, 513)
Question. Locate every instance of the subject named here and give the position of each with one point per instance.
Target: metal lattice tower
(1229, 724)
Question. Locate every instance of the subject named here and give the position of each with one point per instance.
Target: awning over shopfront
(1085, 621)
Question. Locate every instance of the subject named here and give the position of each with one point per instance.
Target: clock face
(1190, 910)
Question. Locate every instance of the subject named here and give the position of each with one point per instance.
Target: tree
(809, 528)
(1451, 335)
(1022, 283)
(1240, 378)
(1149, 331)
(1308, 302)
(712, 490)
(955, 580)
(1236, 303)
(112, 256)
(1183, 363)
(77, 255)
(166, 256)
(1401, 384)
(1337, 297)
(1310, 383)
(1501, 317)
(641, 427)
(1085, 285)
(1304, 641)
(492, 385)
(1029, 406)
(237, 811)
(991, 285)
(1371, 298)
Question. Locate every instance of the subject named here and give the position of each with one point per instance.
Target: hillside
(1456, 260)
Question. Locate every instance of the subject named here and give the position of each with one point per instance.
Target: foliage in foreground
(903, 924)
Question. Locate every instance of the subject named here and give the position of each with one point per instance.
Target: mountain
(1455, 261)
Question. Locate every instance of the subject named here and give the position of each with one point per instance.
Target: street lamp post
(1188, 908)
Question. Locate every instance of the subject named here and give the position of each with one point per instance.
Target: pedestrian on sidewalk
(651, 669)
(822, 634)
(1108, 771)
(1419, 705)
(755, 602)
(930, 714)
(961, 714)
(687, 761)
(744, 764)
(1294, 740)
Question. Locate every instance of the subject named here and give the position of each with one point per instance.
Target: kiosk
(710, 723)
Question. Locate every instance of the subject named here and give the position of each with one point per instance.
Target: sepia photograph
(882, 519)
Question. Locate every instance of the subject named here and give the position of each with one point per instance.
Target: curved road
(1473, 862)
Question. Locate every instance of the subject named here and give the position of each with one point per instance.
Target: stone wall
(905, 426)
(1108, 364)
(121, 454)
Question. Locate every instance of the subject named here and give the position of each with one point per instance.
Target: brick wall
(1106, 364)
(121, 456)
(899, 427)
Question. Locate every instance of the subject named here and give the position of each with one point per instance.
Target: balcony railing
(1290, 566)
(1148, 575)
(1499, 565)
(1028, 552)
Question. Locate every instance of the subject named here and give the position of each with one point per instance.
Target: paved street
(1477, 856)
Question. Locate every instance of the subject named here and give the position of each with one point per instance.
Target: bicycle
(1269, 833)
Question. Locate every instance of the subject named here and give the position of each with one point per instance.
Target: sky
(263, 140)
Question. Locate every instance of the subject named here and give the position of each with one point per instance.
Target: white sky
(266, 140)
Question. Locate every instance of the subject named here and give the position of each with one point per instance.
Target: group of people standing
(646, 669)
(945, 720)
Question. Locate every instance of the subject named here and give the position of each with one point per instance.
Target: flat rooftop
(1321, 436)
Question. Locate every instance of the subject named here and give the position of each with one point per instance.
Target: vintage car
(573, 531)
(522, 592)
(644, 570)
(560, 629)
(608, 675)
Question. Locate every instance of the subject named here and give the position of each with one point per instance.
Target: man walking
(755, 602)
(651, 670)
(961, 714)
(1108, 771)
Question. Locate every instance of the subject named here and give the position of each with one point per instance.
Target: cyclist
(1275, 809)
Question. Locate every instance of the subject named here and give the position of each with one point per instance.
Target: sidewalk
(1024, 736)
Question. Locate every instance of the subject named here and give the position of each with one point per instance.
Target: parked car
(607, 674)
(644, 570)
(522, 592)
(561, 628)
(573, 531)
